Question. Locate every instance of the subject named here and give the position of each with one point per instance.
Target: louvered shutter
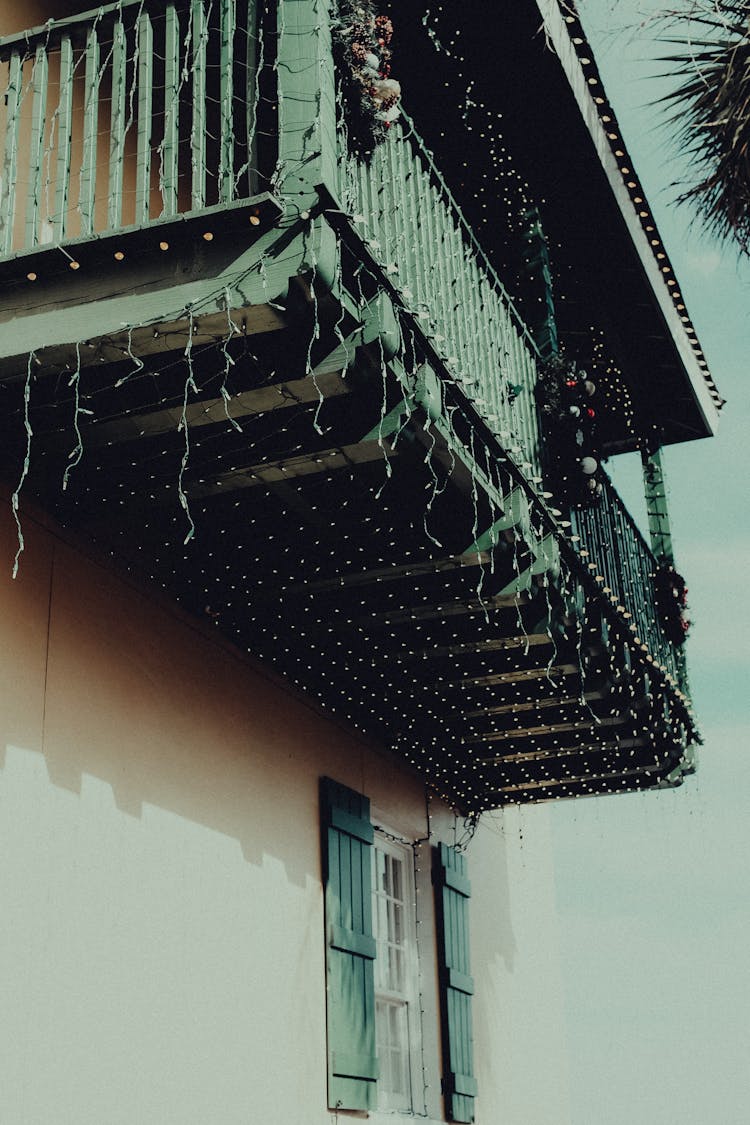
(456, 985)
(350, 947)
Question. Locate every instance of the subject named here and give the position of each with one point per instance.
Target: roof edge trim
(561, 26)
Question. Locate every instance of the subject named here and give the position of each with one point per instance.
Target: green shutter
(456, 985)
(350, 947)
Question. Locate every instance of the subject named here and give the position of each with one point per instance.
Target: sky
(653, 888)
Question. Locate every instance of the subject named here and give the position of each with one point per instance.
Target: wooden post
(90, 130)
(198, 135)
(307, 101)
(655, 488)
(117, 126)
(64, 135)
(10, 161)
(226, 98)
(145, 115)
(308, 146)
(171, 140)
(36, 155)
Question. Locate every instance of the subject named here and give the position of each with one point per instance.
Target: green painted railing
(135, 111)
(624, 561)
(417, 233)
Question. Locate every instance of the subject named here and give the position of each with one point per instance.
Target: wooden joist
(210, 411)
(534, 705)
(541, 755)
(517, 676)
(543, 730)
(470, 648)
(456, 608)
(308, 464)
(151, 339)
(389, 573)
(583, 779)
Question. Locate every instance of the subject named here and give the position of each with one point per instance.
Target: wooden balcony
(316, 429)
(127, 116)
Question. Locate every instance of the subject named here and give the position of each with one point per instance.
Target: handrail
(44, 32)
(420, 238)
(622, 557)
(468, 231)
(131, 112)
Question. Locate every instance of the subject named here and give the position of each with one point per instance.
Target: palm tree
(711, 110)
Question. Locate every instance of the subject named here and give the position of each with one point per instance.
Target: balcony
(289, 389)
(125, 118)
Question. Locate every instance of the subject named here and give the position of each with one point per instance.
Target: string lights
(384, 539)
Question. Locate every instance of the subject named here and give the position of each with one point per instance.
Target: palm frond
(710, 110)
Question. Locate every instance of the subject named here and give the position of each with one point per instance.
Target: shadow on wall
(16, 17)
(103, 680)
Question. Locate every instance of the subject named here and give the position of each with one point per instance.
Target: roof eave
(704, 393)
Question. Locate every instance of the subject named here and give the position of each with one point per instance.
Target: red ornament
(591, 412)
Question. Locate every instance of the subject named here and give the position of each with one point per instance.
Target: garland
(566, 398)
(672, 603)
(369, 96)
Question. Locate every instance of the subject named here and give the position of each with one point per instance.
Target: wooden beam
(207, 412)
(389, 573)
(544, 729)
(566, 751)
(583, 779)
(446, 609)
(517, 676)
(469, 648)
(308, 464)
(533, 705)
(154, 339)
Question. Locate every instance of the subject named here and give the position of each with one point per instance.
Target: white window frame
(385, 843)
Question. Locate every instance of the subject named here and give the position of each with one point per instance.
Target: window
(397, 1014)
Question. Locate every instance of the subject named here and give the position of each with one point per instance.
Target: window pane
(396, 879)
(380, 880)
(397, 933)
(393, 898)
(392, 1042)
(395, 969)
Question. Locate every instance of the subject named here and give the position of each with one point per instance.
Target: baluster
(460, 344)
(87, 191)
(10, 161)
(170, 148)
(226, 100)
(254, 65)
(64, 135)
(198, 133)
(39, 81)
(532, 411)
(402, 222)
(492, 375)
(416, 280)
(498, 328)
(117, 126)
(436, 267)
(145, 118)
(487, 383)
(378, 180)
(425, 210)
(369, 206)
(392, 171)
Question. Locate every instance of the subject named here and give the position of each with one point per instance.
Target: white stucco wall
(161, 930)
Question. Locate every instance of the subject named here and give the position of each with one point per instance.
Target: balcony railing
(133, 112)
(624, 561)
(417, 232)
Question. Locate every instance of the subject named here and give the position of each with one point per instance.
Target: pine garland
(566, 398)
(362, 50)
(672, 603)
